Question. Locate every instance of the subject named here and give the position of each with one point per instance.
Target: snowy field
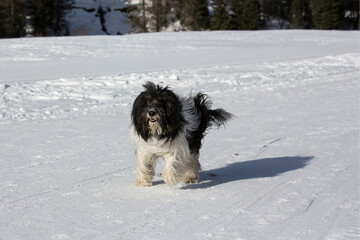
(287, 167)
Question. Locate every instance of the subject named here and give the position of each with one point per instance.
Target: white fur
(180, 164)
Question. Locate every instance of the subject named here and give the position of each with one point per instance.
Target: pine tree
(194, 14)
(202, 16)
(12, 18)
(61, 8)
(159, 11)
(2, 21)
(221, 18)
(49, 16)
(300, 14)
(327, 14)
(186, 13)
(43, 16)
(236, 14)
(251, 15)
(351, 8)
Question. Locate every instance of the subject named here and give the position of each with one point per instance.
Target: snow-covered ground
(287, 167)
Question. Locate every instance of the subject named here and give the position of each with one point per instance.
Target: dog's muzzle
(152, 115)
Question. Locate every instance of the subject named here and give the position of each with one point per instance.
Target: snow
(287, 167)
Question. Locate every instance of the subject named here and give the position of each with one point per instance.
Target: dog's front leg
(175, 168)
(145, 168)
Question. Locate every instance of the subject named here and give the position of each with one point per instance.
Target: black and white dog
(168, 126)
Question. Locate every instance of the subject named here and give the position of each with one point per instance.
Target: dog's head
(157, 112)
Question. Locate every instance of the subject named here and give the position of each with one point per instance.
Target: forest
(19, 18)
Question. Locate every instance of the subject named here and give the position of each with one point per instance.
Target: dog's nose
(152, 113)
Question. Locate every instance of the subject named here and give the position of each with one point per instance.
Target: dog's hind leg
(192, 169)
(145, 168)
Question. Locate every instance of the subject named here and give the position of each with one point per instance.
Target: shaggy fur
(165, 125)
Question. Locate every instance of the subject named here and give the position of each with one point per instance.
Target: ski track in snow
(287, 167)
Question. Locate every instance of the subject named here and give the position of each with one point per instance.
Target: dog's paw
(140, 183)
(191, 180)
(171, 180)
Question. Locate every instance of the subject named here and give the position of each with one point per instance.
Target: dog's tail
(210, 117)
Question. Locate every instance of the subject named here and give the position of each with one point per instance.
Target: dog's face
(157, 112)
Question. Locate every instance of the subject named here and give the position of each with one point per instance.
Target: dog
(172, 127)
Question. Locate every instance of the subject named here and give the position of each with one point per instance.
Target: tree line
(157, 15)
(48, 17)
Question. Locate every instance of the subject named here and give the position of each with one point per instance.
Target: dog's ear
(141, 128)
(139, 117)
(173, 121)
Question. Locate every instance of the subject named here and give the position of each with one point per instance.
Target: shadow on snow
(260, 168)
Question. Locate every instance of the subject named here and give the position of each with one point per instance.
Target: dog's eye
(148, 102)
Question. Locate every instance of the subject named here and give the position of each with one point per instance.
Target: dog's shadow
(259, 168)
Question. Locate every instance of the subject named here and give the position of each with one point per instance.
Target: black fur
(168, 106)
(208, 118)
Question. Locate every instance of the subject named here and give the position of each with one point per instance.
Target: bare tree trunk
(143, 16)
(12, 11)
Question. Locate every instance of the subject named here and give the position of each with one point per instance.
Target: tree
(151, 16)
(194, 14)
(352, 12)
(221, 18)
(12, 18)
(49, 16)
(43, 16)
(143, 16)
(61, 8)
(327, 14)
(137, 15)
(300, 14)
(251, 14)
(236, 7)
(159, 12)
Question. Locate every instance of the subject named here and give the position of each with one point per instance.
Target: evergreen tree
(327, 14)
(187, 13)
(42, 16)
(251, 14)
(49, 16)
(221, 18)
(277, 9)
(236, 14)
(300, 14)
(12, 18)
(194, 14)
(351, 8)
(2, 21)
(202, 15)
(61, 8)
(159, 11)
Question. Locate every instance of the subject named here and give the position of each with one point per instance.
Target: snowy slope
(286, 168)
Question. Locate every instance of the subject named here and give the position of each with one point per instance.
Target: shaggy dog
(168, 126)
